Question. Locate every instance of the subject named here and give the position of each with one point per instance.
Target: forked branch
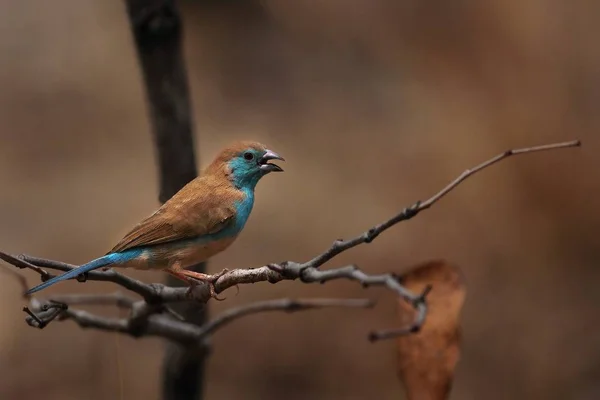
(152, 316)
(145, 321)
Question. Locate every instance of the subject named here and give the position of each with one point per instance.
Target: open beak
(265, 166)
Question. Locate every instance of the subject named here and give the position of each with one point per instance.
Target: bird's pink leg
(211, 279)
(198, 275)
(177, 274)
(190, 278)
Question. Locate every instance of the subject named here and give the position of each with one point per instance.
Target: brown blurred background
(374, 104)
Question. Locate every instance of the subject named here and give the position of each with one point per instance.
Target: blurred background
(375, 104)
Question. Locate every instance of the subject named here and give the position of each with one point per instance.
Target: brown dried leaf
(427, 359)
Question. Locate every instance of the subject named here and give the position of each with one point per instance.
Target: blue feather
(243, 209)
(245, 175)
(110, 259)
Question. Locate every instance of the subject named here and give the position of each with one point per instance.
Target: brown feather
(204, 206)
(219, 166)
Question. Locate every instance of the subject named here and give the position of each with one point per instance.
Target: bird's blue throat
(244, 175)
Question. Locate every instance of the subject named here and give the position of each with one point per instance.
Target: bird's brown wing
(200, 208)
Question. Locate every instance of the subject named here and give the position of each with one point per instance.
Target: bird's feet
(192, 278)
(220, 274)
(210, 279)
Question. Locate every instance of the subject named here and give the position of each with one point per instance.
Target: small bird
(202, 219)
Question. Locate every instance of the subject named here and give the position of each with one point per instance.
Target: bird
(201, 220)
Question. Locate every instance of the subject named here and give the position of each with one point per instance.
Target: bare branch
(494, 160)
(116, 298)
(41, 314)
(143, 321)
(388, 280)
(86, 319)
(288, 305)
(19, 263)
(367, 237)
(46, 313)
(157, 295)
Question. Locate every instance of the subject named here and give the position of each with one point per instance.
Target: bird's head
(244, 163)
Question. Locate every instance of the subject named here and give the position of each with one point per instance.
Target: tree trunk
(157, 31)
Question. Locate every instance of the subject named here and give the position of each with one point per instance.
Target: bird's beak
(264, 162)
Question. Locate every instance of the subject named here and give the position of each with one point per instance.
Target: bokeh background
(374, 104)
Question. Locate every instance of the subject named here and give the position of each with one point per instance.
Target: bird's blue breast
(243, 209)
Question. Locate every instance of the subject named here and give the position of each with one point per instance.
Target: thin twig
(367, 237)
(288, 305)
(116, 298)
(22, 264)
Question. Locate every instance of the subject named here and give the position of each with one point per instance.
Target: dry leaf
(427, 359)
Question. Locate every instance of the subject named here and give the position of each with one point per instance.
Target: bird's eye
(248, 156)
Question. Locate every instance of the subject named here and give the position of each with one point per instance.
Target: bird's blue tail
(94, 264)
